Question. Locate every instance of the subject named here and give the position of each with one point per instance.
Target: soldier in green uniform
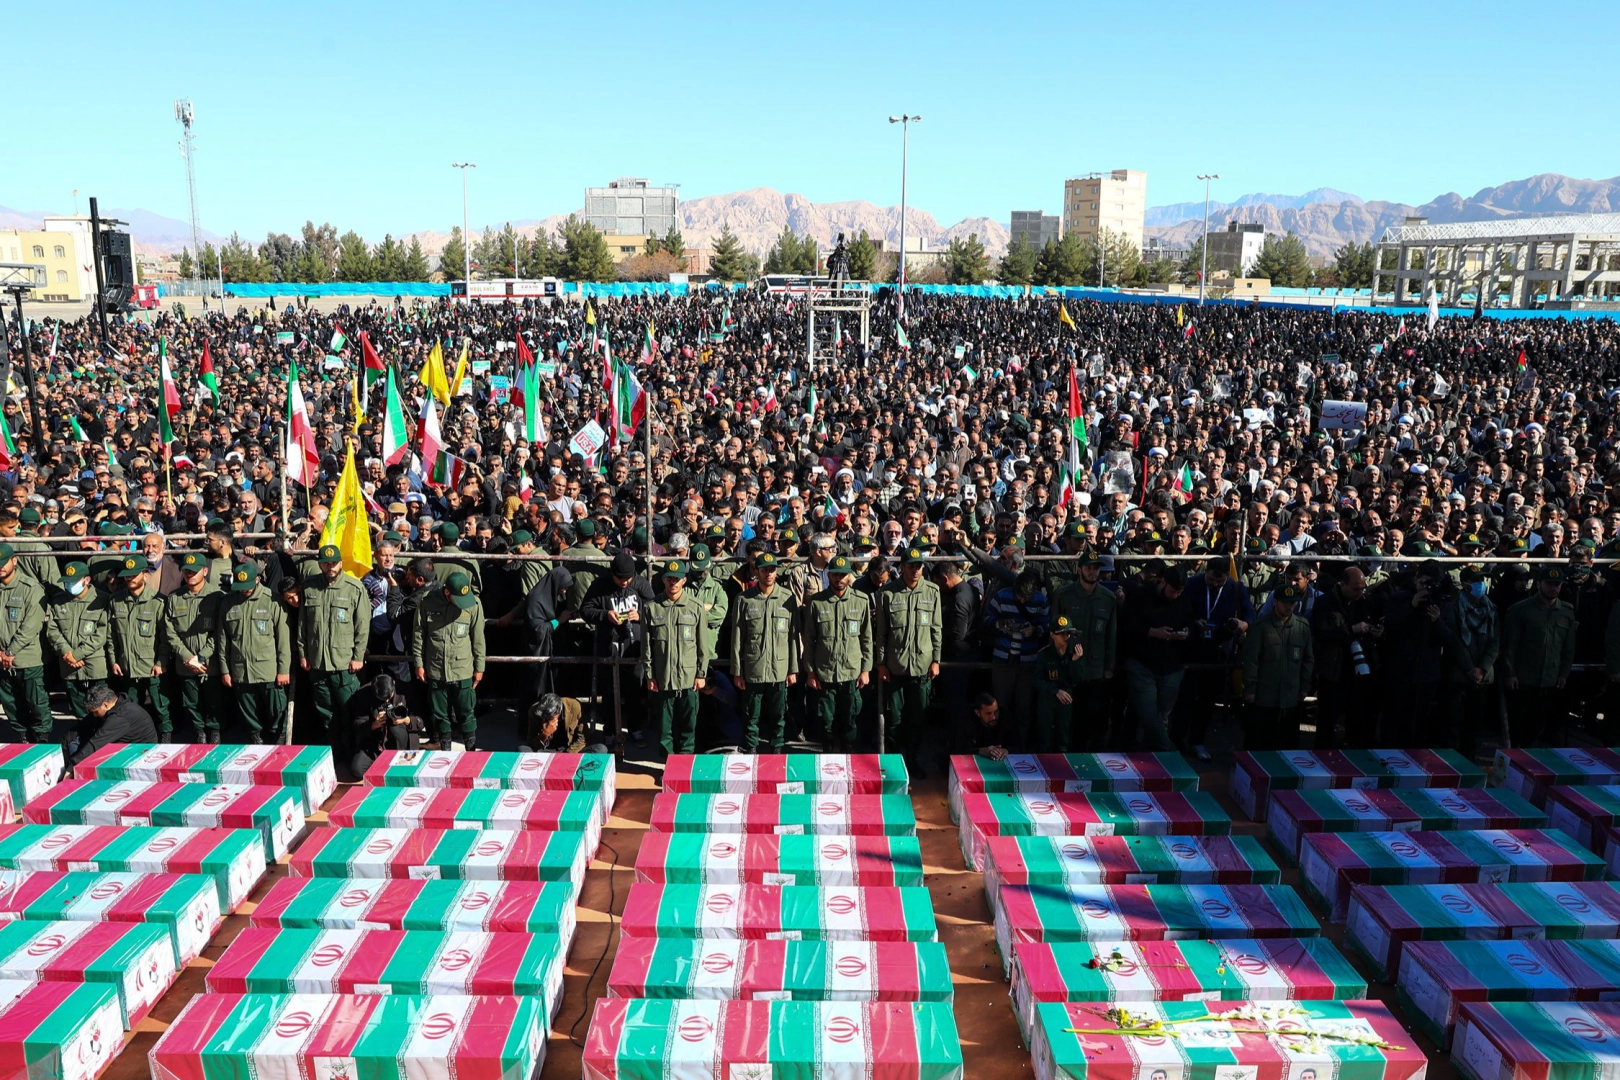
(1059, 670)
(138, 649)
(1260, 575)
(837, 629)
(191, 618)
(78, 625)
(255, 651)
(34, 553)
(1093, 614)
(447, 655)
(528, 573)
(908, 633)
(1060, 574)
(449, 558)
(333, 624)
(1538, 647)
(220, 544)
(22, 658)
(764, 656)
(585, 560)
(1278, 661)
(710, 593)
(679, 648)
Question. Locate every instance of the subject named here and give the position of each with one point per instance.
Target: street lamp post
(1203, 254)
(905, 123)
(466, 242)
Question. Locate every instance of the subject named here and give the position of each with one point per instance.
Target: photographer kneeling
(382, 721)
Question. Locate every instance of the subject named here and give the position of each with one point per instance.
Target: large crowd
(888, 545)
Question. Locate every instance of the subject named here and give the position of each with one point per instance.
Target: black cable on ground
(613, 927)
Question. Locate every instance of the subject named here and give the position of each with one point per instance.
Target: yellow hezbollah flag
(461, 372)
(346, 525)
(1063, 316)
(590, 314)
(359, 409)
(432, 376)
(1181, 315)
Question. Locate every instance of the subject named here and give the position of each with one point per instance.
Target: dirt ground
(992, 1048)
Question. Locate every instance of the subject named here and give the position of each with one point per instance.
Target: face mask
(76, 588)
(1476, 589)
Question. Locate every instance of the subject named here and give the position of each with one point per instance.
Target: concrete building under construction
(1564, 260)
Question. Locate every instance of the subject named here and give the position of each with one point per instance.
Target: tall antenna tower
(188, 147)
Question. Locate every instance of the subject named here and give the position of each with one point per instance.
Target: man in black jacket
(960, 601)
(110, 718)
(614, 605)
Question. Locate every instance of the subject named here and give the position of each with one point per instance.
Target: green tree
(187, 267)
(966, 262)
(452, 260)
(792, 254)
(1282, 259)
(1352, 265)
(388, 259)
(486, 254)
(1157, 272)
(241, 262)
(207, 261)
(542, 257)
(1061, 262)
(279, 253)
(729, 261)
(354, 261)
(674, 243)
(585, 252)
(416, 262)
(862, 258)
(1017, 267)
(1117, 261)
(1193, 263)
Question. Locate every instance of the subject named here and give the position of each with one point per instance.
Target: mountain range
(1325, 218)
(1327, 224)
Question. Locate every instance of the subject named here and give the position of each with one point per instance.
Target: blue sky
(353, 112)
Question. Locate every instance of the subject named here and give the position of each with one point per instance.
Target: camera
(1442, 590)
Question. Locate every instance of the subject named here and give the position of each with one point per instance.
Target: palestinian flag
(184, 907)
(792, 859)
(234, 858)
(787, 774)
(1294, 813)
(133, 959)
(1077, 416)
(534, 422)
(653, 1037)
(431, 854)
(265, 960)
(1260, 969)
(468, 808)
(900, 335)
(1058, 813)
(1238, 1047)
(302, 463)
(275, 812)
(371, 366)
(1067, 772)
(484, 769)
(1531, 772)
(1439, 977)
(78, 431)
(169, 405)
(59, 1030)
(781, 970)
(1256, 774)
(831, 913)
(338, 340)
(1385, 917)
(29, 770)
(842, 815)
(1149, 913)
(1332, 864)
(207, 384)
(396, 440)
(726, 323)
(343, 1037)
(530, 907)
(305, 768)
(1126, 860)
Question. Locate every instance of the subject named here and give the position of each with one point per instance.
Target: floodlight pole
(28, 366)
(466, 241)
(1203, 254)
(95, 257)
(905, 123)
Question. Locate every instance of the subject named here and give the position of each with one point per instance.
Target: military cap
(700, 559)
(715, 532)
(448, 532)
(1470, 542)
(1552, 573)
(193, 562)
(244, 577)
(1288, 594)
(585, 528)
(133, 566)
(765, 560)
(329, 554)
(1076, 530)
(522, 536)
(1087, 558)
(29, 516)
(915, 555)
(674, 568)
(75, 571)
(1061, 625)
(840, 564)
(459, 586)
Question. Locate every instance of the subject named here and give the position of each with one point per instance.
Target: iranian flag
(338, 340)
(135, 959)
(264, 960)
(207, 384)
(649, 344)
(8, 447)
(307, 769)
(832, 913)
(900, 335)
(184, 907)
(29, 770)
(461, 808)
(629, 402)
(234, 858)
(767, 397)
(482, 769)
(644, 1037)
(791, 970)
(1066, 813)
(373, 367)
(525, 907)
(432, 451)
(59, 1030)
(789, 859)
(395, 438)
(791, 774)
(170, 407)
(845, 815)
(274, 812)
(468, 854)
(303, 464)
(341, 1037)
(1184, 482)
